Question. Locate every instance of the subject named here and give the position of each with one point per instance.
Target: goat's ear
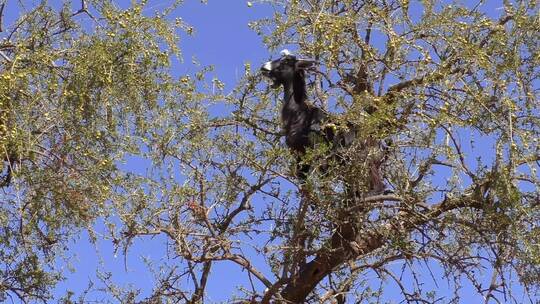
(305, 63)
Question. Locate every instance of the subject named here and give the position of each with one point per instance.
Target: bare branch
(6, 58)
(2, 15)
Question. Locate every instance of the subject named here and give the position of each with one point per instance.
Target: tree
(79, 85)
(451, 89)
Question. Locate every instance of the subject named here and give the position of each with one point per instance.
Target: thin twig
(6, 58)
(2, 15)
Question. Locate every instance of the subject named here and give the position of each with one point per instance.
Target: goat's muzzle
(266, 72)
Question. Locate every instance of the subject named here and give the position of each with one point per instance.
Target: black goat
(298, 117)
(300, 120)
(304, 123)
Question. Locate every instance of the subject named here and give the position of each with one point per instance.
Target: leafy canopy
(98, 134)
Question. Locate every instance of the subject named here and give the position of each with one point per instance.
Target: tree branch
(438, 75)
(346, 244)
(2, 15)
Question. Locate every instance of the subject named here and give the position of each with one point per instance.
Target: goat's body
(299, 122)
(305, 125)
(299, 119)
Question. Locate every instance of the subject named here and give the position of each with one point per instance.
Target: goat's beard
(275, 83)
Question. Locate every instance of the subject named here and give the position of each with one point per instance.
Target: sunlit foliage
(99, 134)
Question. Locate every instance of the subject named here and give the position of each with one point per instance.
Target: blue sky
(222, 38)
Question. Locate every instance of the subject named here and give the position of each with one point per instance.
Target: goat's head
(284, 69)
